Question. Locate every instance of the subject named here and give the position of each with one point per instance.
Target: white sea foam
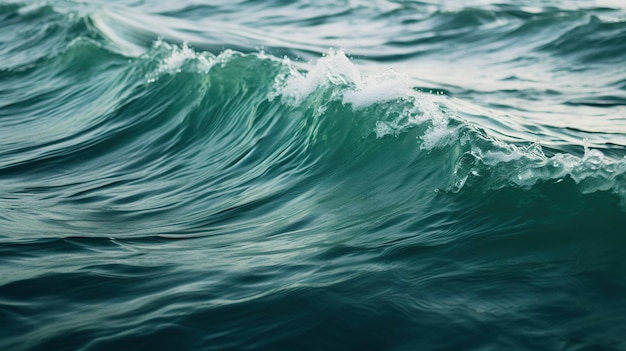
(526, 166)
(594, 170)
(438, 136)
(332, 69)
(336, 69)
(360, 91)
(179, 55)
(369, 90)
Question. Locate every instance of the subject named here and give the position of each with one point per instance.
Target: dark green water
(331, 175)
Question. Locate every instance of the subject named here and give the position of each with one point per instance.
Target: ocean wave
(596, 41)
(256, 127)
(412, 109)
(289, 174)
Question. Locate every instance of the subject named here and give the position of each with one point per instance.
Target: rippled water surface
(349, 175)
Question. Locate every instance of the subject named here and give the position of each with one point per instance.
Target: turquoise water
(330, 175)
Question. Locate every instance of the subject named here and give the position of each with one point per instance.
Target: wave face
(312, 175)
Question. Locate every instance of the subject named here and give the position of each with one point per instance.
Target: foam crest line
(334, 77)
(336, 69)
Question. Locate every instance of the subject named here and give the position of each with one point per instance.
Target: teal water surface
(330, 175)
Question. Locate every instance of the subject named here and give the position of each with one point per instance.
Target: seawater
(328, 175)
